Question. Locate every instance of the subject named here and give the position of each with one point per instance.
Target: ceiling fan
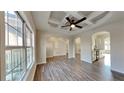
(71, 22)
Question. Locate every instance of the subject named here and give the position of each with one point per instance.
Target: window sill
(29, 75)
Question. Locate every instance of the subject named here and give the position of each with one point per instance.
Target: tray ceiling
(57, 18)
(52, 21)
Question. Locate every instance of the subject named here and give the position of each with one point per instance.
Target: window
(18, 52)
(14, 29)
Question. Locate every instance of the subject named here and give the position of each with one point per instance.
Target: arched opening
(101, 48)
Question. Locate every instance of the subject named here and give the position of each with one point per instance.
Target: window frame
(23, 22)
(31, 45)
(23, 46)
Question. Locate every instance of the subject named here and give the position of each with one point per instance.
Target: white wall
(56, 46)
(117, 48)
(117, 45)
(59, 47)
(71, 50)
(77, 45)
(86, 46)
(41, 47)
(49, 48)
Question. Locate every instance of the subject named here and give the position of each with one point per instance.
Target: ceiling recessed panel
(52, 24)
(99, 17)
(57, 15)
(85, 13)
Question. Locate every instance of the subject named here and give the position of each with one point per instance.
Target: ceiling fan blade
(78, 26)
(67, 18)
(65, 26)
(72, 20)
(70, 28)
(67, 23)
(80, 20)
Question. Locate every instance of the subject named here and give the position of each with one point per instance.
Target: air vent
(99, 17)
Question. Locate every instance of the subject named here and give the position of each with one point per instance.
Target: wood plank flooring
(64, 69)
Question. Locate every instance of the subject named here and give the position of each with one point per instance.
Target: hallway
(73, 69)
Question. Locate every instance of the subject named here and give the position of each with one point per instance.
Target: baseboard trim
(56, 56)
(49, 57)
(41, 63)
(118, 75)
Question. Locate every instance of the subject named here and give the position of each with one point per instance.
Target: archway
(101, 48)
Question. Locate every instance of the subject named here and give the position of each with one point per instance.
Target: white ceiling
(52, 21)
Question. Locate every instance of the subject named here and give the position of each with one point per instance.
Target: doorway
(101, 48)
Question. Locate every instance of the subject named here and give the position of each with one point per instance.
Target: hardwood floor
(63, 69)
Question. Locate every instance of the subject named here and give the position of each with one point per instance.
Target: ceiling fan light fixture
(72, 25)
